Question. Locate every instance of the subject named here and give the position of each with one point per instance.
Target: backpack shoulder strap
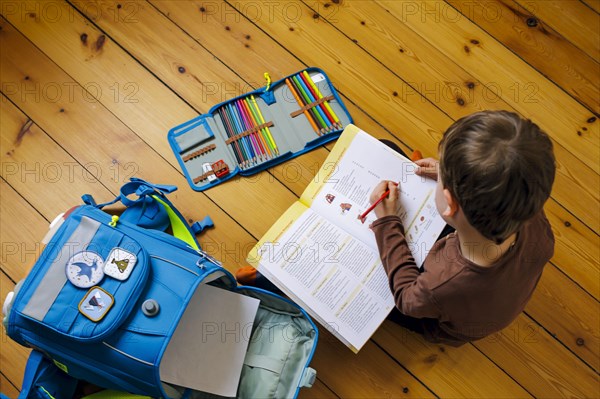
(148, 207)
(179, 225)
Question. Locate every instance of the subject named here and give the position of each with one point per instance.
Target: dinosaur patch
(85, 269)
(119, 264)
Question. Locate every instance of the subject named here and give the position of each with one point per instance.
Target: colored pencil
(239, 129)
(251, 139)
(307, 94)
(304, 102)
(311, 86)
(234, 144)
(231, 132)
(250, 156)
(249, 125)
(252, 115)
(317, 117)
(301, 103)
(261, 119)
(319, 95)
(242, 127)
(374, 204)
(260, 133)
(328, 118)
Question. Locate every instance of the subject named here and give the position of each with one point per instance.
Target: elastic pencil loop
(311, 105)
(201, 151)
(203, 177)
(268, 79)
(248, 132)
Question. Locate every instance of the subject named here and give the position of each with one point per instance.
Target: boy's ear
(452, 207)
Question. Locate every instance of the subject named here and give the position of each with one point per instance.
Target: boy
(494, 175)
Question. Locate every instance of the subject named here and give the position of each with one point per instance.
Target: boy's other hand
(428, 167)
(389, 205)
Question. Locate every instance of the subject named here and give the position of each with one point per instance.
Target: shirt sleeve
(411, 294)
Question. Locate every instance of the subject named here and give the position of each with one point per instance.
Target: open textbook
(325, 258)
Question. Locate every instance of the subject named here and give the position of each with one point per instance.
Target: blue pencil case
(259, 129)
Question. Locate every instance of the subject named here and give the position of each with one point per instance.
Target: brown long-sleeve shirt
(458, 300)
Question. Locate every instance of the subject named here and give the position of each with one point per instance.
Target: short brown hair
(499, 167)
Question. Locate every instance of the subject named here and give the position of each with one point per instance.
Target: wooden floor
(90, 89)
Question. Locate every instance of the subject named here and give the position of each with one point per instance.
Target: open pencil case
(259, 129)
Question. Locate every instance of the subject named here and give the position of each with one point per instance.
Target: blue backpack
(105, 298)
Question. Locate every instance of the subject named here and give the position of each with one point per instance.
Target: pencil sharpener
(220, 168)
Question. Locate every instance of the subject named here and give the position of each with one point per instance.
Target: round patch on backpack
(85, 269)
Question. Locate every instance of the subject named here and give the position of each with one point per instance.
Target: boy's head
(499, 168)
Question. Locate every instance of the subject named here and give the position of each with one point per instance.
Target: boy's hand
(428, 167)
(389, 205)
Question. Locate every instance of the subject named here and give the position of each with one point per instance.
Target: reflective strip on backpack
(55, 278)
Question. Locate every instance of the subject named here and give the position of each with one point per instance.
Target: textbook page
(339, 280)
(324, 258)
(340, 191)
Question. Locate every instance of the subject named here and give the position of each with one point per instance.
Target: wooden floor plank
(555, 111)
(33, 164)
(572, 19)
(570, 316)
(317, 391)
(546, 370)
(538, 44)
(454, 372)
(577, 248)
(13, 356)
(203, 80)
(386, 378)
(19, 249)
(7, 388)
(424, 70)
(592, 4)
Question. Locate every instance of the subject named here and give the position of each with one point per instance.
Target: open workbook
(325, 258)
